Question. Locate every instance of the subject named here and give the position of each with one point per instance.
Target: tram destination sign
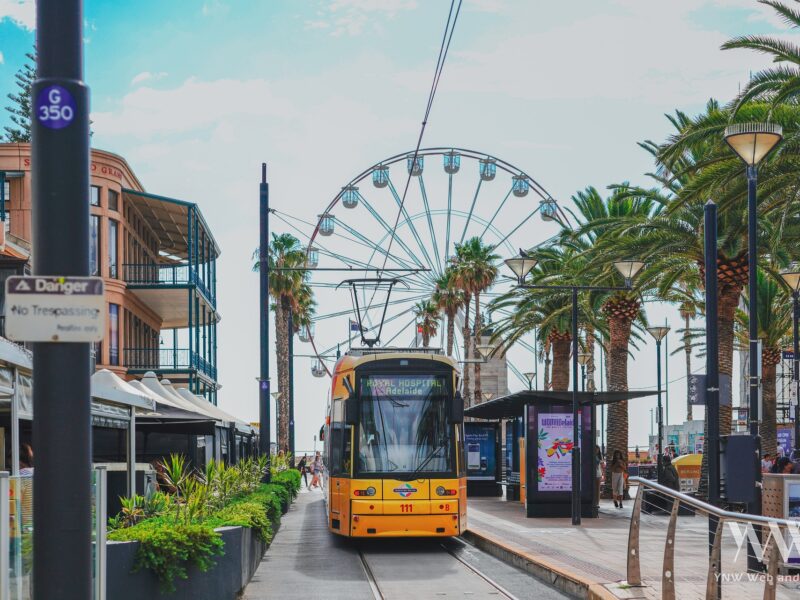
(55, 309)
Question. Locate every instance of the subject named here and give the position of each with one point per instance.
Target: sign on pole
(55, 309)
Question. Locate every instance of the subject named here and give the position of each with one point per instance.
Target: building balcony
(168, 360)
(176, 292)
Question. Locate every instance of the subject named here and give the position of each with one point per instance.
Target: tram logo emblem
(405, 491)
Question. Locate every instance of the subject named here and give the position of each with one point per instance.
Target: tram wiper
(423, 464)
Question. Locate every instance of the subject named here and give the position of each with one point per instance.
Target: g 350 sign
(55, 107)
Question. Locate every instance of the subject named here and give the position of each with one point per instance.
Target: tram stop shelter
(539, 441)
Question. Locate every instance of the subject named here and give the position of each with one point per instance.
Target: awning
(15, 355)
(221, 414)
(109, 387)
(513, 405)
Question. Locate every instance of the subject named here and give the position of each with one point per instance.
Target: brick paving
(596, 551)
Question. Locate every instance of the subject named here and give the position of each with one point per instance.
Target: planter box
(232, 571)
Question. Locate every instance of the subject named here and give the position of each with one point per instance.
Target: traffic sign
(55, 309)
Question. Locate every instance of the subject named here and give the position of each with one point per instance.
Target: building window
(97, 353)
(6, 205)
(113, 248)
(113, 334)
(113, 200)
(95, 195)
(94, 245)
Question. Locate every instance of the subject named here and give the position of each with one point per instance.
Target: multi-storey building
(157, 257)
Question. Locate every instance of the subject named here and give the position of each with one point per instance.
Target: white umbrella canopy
(150, 381)
(201, 402)
(110, 386)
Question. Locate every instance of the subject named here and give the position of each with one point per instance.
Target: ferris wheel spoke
(388, 229)
(402, 329)
(499, 208)
(365, 241)
(430, 222)
(411, 227)
(513, 231)
(471, 210)
(517, 372)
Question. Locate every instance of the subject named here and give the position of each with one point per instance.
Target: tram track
(432, 569)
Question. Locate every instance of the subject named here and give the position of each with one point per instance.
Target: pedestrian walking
(599, 467)
(669, 475)
(618, 468)
(318, 469)
(303, 468)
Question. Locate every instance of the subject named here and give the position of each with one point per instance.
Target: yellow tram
(394, 445)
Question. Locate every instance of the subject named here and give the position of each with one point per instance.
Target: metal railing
(715, 514)
(172, 359)
(166, 275)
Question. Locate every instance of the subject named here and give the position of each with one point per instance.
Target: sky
(197, 94)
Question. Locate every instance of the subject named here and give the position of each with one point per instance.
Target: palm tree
(462, 279)
(780, 84)
(291, 295)
(427, 314)
(480, 268)
(449, 299)
(774, 327)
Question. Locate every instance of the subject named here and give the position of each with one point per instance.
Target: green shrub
(168, 548)
(290, 479)
(250, 513)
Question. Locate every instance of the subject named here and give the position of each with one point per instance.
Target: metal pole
(263, 270)
(660, 457)
(583, 378)
(62, 542)
(666, 378)
(796, 371)
(291, 382)
(5, 536)
(576, 450)
(753, 414)
(712, 363)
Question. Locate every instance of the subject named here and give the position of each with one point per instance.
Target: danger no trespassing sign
(55, 309)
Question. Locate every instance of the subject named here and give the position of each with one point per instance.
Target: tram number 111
(406, 508)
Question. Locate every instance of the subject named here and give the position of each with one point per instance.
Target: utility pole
(62, 505)
(263, 272)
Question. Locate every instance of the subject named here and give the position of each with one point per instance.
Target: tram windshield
(403, 424)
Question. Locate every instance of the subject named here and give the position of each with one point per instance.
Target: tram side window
(339, 441)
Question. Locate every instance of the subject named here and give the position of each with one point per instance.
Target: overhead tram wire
(443, 50)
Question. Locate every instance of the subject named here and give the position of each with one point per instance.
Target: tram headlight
(442, 491)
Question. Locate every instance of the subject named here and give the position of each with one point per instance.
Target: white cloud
(215, 8)
(350, 17)
(2, 58)
(21, 12)
(147, 76)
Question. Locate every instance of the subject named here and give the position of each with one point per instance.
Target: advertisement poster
(793, 512)
(481, 444)
(555, 443)
(785, 440)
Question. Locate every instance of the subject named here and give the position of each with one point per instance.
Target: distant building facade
(157, 257)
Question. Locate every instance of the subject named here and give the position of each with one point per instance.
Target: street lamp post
(263, 275)
(530, 377)
(792, 279)
(521, 265)
(752, 142)
(658, 334)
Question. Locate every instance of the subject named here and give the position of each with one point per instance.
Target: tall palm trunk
(451, 332)
(590, 387)
(426, 337)
(478, 394)
(728, 302)
(770, 357)
(620, 312)
(687, 348)
(561, 346)
(467, 344)
(282, 345)
(547, 364)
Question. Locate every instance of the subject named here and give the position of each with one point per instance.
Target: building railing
(771, 528)
(166, 275)
(170, 359)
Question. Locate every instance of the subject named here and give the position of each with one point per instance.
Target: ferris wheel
(401, 219)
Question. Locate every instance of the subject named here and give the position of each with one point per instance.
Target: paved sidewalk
(596, 551)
